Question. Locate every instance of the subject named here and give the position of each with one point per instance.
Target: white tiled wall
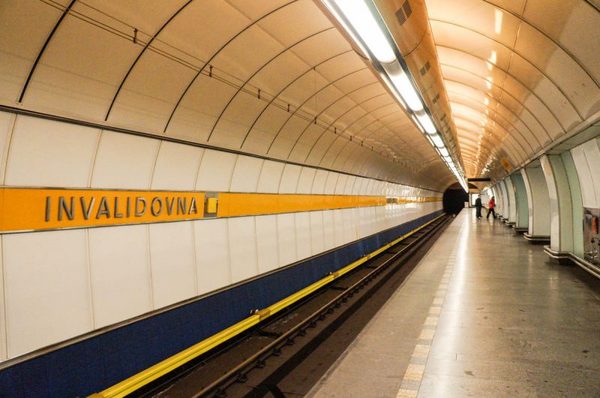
(3, 354)
(316, 232)
(340, 186)
(245, 174)
(331, 182)
(338, 227)
(120, 292)
(212, 178)
(305, 182)
(61, 284)
(47, 288)
(124, 161)
(173, 262)
(242, 248)
(318, 186)
(46, 153)
(6, 127)
(286, 243)
(270, 176)
(212, 254)
(176, 167)
(289, 179)
(302, 223)
(266, 240)
(328, 230)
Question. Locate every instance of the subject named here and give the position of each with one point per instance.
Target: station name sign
(30, 209)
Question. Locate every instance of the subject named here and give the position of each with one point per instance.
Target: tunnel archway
(455, 197)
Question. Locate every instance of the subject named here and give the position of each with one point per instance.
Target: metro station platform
(485, 313)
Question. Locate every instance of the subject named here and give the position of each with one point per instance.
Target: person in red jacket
(491, 206)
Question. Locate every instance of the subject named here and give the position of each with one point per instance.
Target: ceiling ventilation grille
(404, 12)
(425, 68)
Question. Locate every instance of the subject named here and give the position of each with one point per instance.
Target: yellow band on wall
(30, 209)
(39, 209)
(243, 204)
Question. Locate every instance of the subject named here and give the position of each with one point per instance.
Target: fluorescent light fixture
(393, 89)
(429, 139)
(498, 21)
(336, 13)
(437, 141)
(417, 123)
(405, 88)
(486, 101)
(444, 152)
(426, 122)
(360, 17)
(489, 81)
(395, 93)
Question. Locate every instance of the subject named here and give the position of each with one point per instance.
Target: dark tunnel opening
(454, 199)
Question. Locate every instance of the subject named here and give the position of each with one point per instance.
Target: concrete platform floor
(484, 314)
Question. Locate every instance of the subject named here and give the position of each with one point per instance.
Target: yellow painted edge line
(146, 376)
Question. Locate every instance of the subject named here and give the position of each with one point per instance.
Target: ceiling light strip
(364, 24)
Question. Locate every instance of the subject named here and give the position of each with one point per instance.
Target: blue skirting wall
(98, 362)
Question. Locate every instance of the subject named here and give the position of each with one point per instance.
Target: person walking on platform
(491, 206)
(478, 206)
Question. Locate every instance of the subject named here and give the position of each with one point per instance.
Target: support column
(539, 204)
(561, 215)
(510, 194)
(586, 158)
(576, 202)
(522, 207)
(502, 201)
(497, 194)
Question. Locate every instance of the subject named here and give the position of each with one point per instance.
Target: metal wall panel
(173, 262)
(121, 277)
(47, 289)
(124, 161)
(176, 167)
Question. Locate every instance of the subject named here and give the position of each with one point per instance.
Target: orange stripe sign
(248, 204)
(39, 209)
(42, 209)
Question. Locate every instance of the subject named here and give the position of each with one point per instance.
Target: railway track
(286, 355)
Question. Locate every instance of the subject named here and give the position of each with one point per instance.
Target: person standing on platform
(491, 206)
(478, 206)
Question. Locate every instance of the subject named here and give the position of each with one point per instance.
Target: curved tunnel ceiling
(277, 78)
(271, 78)
(520, 74)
